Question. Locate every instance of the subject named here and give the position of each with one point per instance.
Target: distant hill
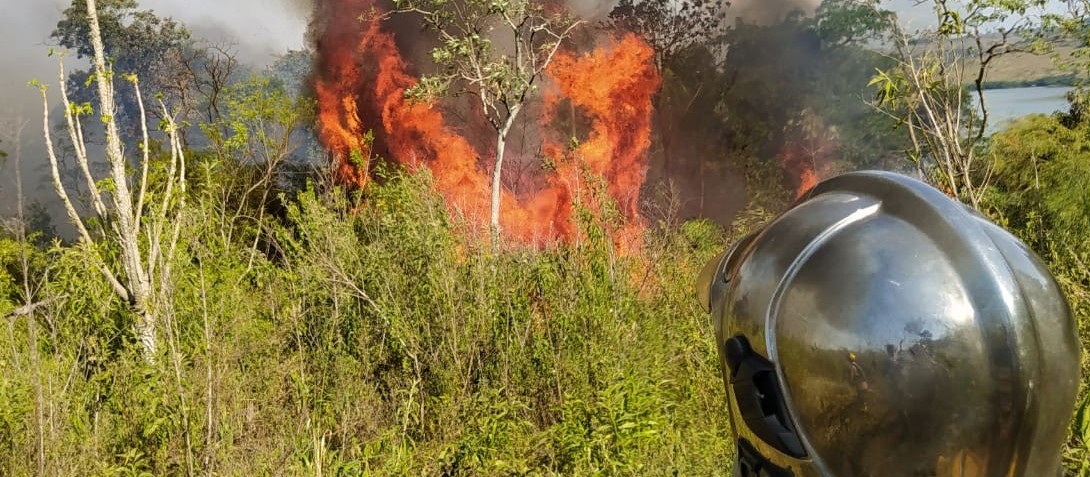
(1027, 69)
(1015, 70)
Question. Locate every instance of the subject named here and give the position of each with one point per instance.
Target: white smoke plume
(766, 12)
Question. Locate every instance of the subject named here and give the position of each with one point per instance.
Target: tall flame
(613, 86)
(361, 90)
(339, 79)
(360, 86)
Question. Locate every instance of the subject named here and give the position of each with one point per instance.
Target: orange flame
(614, 86)
(360, 89)
(800, 168)
(808, 180)
(339, 125)
(808, 151)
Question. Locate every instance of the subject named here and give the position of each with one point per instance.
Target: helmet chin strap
(760, 398)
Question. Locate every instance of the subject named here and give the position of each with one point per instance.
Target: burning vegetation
(365, 114)
(598, 126)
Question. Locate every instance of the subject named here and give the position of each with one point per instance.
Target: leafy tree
(134, 41)
(191, 74)
(925, 89)
(244, 169)
(671, 27)
(496, 50)
(850, 22)
(120, 200)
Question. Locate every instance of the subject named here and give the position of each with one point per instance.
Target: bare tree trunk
(28, 297)
(122, 214)
(501, 139)
(497, 184)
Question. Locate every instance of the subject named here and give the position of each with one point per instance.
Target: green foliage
(1081, 435)
(14, 423)
(1043, 173)
(135, 40)
(258, 120)
(495, 439)
(316, 330)
(1039, 191)
(125, 31)
(9, 287)
(844, 22)
(372, 337)
(610, 434)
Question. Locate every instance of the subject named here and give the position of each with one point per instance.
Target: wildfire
(614, 86)
(807, 151)
(360, 86)
(360, 93)
(797, 165)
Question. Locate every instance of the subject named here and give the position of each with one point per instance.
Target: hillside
(1028, 69)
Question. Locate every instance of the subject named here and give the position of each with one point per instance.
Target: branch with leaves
(927, 89)
(127, 218)
(496, 50)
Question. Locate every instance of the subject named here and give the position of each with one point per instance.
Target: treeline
(1055, 80)
(303, 328)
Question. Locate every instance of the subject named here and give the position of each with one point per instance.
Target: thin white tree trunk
(28, 297)
(138, 277)
(501, 139)
(497, 172)
(139, 282)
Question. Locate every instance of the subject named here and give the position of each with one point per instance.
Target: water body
(1006, 105)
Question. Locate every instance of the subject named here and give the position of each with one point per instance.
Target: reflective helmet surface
(879, 328)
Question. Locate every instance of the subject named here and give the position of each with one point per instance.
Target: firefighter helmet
(879, 328)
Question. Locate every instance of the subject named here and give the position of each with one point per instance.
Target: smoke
(767, 12)
(592, 10)
(25, 26)
(728, 110)
(259, 30)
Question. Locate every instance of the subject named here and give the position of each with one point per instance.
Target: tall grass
(371, 337)
(348, 334)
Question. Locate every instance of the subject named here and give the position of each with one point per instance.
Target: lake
(1007, 104)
